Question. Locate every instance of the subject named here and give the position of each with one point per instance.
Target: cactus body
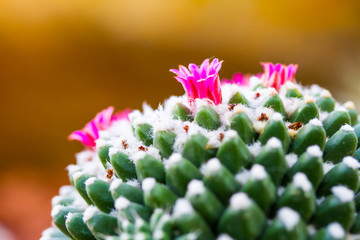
(248, 165)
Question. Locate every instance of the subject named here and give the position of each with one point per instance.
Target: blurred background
(62, 61)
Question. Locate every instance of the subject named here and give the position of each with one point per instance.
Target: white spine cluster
(351, 162)
(115, 184)
(336, 230)
(90, 181)
(121, 203)
(89, 213)
(148, 184)
(212, 166)
(258, 172)
(240, 201)
(195, 187)
(288, 217)
(347, 128)
(343, 193)
(274, 143)
(300, 180)
(182, 207)
(316, 122)
(314, 151)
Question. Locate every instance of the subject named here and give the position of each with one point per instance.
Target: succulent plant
(256, 157)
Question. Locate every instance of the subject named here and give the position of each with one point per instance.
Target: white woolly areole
(182, 207)
(288, 217)
(174, 158)
(315, 89)
(224, 236)
(238, 109)
(139, 236)
(72, 169)
(158, 234)
(351, 162)
(113, 151)
(56, 210)
(323, 115)
(280, 190)
(290, 85)
(90, 181)
(327, 166)
(200, 103)
(114, 213)
(101, 142)
(340, 108)
(78, 175)
(195, 187)
(291, 159)
(255, 148)
(308, 99)
(316, 122)
(121, 203)
(336, 230)
(138, 155)
(242, 177)
(85, 155)
(314, 151)
(124, 223)
(254, 81)
(148, 184)
(277, 117)
(134, 114)
(214, 138)
(349, 105)
(67, 190)
(56, 200)
(258, 172)
(123, 236)
(46, 233)
(343, 193)
(133, 182)
(240, 201)
(89, 213)
(347, 127)
(230, 134)
(115, 184)
(274, 143)
(212, 166)
(325, 94)
(300, 180)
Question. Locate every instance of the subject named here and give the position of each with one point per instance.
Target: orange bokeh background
(64, 60)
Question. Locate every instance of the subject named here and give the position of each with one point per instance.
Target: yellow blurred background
(62, 61)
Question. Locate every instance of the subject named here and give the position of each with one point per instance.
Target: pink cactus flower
(201, 82)
(102, 121)
(276, 75)
(240, 79)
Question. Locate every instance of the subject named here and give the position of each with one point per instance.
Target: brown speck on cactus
(282, 165)
(186, 128)
(124, 144)
(221, 137)
(263, 117)
(231, 106)
(295, 126)
(142, 148)
(109, 173)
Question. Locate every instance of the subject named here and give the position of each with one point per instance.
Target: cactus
(258, 157)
